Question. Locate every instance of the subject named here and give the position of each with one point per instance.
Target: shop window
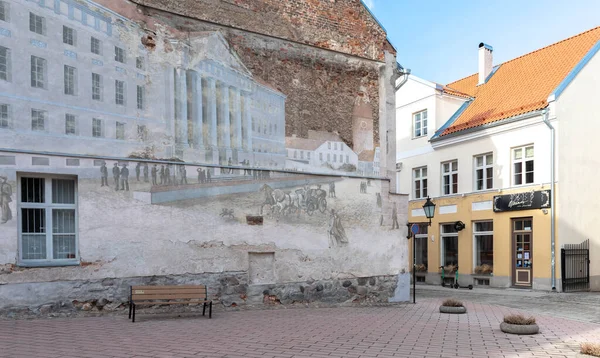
(421, 249)
(483, 236)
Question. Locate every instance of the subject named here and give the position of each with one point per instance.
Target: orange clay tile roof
(521, 85)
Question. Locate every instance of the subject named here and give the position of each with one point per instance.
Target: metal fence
(575, 267)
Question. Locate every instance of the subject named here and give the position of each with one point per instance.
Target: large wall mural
(136, 155)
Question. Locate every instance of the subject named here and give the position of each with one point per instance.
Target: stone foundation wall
(227, 290)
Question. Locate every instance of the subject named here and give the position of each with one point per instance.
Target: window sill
(420, 137)
(53, 263)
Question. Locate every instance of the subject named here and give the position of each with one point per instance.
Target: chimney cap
(481, 44)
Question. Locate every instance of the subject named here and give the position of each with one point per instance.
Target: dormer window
(420, 124)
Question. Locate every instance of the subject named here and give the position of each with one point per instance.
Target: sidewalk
(404, 330)
(581, 306)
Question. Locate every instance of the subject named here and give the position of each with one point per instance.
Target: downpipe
(545, 115)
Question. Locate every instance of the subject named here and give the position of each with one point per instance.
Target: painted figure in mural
(378, 199)
(116, 175)
(332, 190)
(230, 163)
(208, 176)
(337, 234)
(183, 173)
(5, 198)
(395, 217)
(167, 175)
(104, 174)
(162, 175)
(146, 172)
(124, 178)
(154, 173)
(138, 170)
(381, 220)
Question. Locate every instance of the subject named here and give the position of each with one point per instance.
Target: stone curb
(456, 310)
(519, 328)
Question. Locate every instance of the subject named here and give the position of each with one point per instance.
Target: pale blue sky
(438, 39)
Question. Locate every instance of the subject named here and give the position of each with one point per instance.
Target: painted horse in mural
(278, 201)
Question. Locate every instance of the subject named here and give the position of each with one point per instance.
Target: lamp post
(413, 228)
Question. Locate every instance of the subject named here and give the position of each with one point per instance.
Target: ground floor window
(483, 236)
(421, 249)
(47, 220)
(449, 244)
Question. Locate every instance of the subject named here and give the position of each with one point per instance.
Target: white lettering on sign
(139, 292)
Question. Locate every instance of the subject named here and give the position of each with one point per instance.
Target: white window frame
(450, 173)
(69, 36)
(480, 233)
(120, 54)
(5, 116)
(37, 24)
(38, 72)
(5, 64)
(48, 206)
(120, 91)
(4, 11)
(44, 119)
(444, 235)
(484, 170)
(523, 161)
(141, 94)
(420, 178)
(94, 127)
(68, 117)
(97, 92)
(70, 80)
(422, 236)
(120, 130)
(96, 46)
(419, 119)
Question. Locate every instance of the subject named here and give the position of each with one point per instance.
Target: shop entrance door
(522, 253)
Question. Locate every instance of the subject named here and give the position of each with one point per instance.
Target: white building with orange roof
(483, 147)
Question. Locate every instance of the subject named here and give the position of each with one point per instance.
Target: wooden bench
(168, 295)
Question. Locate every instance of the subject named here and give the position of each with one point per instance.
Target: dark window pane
(529, 166)
(33, 221)
(450, 250)
(32, 190)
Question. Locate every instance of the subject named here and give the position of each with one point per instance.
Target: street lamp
(413, 228)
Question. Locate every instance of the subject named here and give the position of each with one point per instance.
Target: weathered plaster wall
(122, 235)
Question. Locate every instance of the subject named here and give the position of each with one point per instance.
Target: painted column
(211, 111)
(223, 117)
(248, 121)
(197, 113)
(181, 112)
(237, 118)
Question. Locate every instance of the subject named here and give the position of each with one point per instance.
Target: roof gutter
(404, 72)
(487, 126)
(552, 200)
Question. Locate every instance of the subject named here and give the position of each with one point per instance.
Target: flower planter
(455, 310)
(519, 328)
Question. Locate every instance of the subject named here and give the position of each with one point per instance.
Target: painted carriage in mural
(312, 200)
(279, 202)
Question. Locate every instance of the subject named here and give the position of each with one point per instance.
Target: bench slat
(171, 303)
(178, 287)
(166, 296)
(168, 291)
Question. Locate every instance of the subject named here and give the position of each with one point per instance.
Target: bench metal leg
(210, 310)
(204, 309)
(129, 309)
(133, 320)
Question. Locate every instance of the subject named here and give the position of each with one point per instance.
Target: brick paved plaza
(404, 330)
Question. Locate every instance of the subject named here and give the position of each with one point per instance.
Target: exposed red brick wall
(341, 25)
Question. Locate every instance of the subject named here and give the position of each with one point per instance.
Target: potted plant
(519, 324)
(484, 269)
(452, 305)
(590, 349)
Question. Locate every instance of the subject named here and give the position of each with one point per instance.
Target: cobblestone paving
(582, 306)
(404, 330)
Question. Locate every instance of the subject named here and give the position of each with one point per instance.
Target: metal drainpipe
(545, 115)
(405, 72)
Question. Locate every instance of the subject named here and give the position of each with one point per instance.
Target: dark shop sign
(522, 201)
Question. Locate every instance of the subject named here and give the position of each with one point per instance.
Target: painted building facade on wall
(134, 150)
(482, 148)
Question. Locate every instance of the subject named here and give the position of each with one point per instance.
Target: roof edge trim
(373, 16)
(574, 72)
(450, 121)
(491, 125)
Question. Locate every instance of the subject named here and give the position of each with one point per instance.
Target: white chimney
(485, 62)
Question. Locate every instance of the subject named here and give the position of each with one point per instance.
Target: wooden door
(522, 252)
